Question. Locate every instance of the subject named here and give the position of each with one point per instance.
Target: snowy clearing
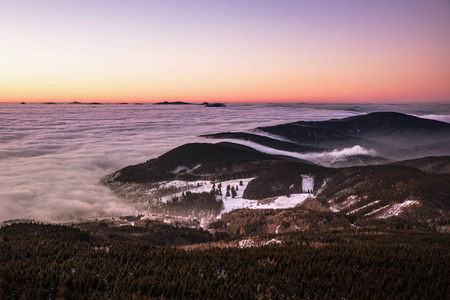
(238, 202)
(170, 189)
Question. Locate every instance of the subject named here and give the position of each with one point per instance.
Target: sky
(225, 51)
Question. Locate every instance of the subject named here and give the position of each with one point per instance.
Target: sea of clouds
(53, 157)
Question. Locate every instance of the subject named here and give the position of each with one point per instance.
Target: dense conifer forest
(59, 262)
(194, 204)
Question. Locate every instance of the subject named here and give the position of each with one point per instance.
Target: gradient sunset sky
(243, 51)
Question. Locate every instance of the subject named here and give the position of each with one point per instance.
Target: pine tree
(233, 192)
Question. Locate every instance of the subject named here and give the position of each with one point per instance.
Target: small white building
(308, 184)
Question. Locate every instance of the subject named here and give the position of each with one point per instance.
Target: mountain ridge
(365, 189)
(388, 133)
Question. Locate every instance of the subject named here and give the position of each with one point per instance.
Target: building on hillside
(308, 183)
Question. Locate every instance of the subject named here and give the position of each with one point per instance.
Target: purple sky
(225, 50)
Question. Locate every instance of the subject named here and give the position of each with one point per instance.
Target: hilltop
(393, 136)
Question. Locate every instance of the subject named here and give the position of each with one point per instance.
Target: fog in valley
(53, 157)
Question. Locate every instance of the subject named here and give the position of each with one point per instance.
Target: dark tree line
(191, 204)
(46, 261)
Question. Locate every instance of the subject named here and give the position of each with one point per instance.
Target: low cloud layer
(53, 157)
(326, 158)
(442, 118)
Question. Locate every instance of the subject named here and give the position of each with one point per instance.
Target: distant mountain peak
(393, 118)
(385, 132)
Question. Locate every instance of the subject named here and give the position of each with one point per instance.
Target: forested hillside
(48, 261)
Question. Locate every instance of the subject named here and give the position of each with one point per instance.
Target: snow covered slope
(231, 203)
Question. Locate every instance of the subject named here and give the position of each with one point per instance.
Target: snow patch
(279, 202)
(376, 211)
(185, 169)
(175, 188)
(323, 186)
(169, 184)
(247, 243)
(363, 207)
(277, 230)
(272, 242)
(397, 209)
(179, 169)
(351, 200)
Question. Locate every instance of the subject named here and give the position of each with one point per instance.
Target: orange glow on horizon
(297, 51)
(331, 87)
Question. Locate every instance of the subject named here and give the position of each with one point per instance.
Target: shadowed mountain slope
(265, 141)
(432, 164)
(383, 131)
(392, 135)
(361, 191)
(201, 161)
